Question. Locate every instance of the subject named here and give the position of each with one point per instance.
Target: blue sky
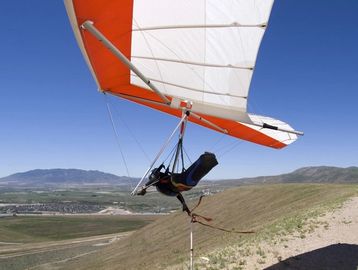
(51, 115)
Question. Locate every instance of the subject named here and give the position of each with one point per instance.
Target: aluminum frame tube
(89, 26)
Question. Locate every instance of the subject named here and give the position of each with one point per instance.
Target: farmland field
(35, 229)
(30, 242)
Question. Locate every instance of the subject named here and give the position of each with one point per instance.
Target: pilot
(172, 184)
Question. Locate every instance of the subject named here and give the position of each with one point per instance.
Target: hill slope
(166, 241)
(319, 174)
(322, 174)
(58, 177)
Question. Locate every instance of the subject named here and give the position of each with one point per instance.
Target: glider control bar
(88, 25)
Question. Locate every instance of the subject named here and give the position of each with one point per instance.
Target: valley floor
(45, 242)
(49, 254)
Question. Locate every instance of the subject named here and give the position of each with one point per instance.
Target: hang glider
(182, 55)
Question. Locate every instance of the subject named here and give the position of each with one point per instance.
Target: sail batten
(192, 63)
(164, 27)
(192, 89)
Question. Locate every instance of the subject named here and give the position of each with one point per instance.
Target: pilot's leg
(185, 207)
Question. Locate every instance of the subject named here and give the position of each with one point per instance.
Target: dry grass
(166, 241)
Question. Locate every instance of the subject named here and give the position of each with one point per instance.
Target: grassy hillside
(166, 241)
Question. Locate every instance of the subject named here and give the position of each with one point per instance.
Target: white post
(191, 246)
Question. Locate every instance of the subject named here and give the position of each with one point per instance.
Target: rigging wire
(187, 155)
(117, 139)
(131, 133)
(235, 144)
(232, 147)
(174, 153)
(217, 143)
(170, 155)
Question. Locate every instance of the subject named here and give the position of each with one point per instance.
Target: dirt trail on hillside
(331, 243)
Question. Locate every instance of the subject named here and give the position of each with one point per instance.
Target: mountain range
(317, 174)
(59, 177)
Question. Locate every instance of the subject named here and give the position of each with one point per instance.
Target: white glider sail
(196, 54)
(204, 51)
